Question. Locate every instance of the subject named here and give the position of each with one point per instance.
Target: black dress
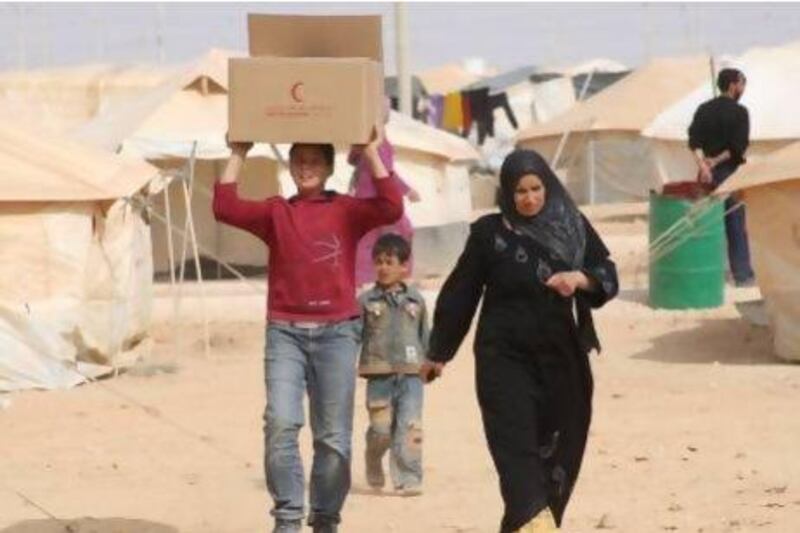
(534, 382)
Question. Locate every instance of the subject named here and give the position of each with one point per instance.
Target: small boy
(395, 340)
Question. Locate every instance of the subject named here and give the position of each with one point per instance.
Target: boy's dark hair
(392, 244)
(328, 152)
(727, 76)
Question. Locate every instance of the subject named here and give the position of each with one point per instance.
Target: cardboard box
(312, 79)
(310, 36)
(303, 100)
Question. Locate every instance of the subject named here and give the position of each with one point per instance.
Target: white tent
(601, 153)
(75, 261)
(772, 73)
(771, 190)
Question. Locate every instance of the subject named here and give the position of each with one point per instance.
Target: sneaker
(375, 477)
(288, 526)
(410, 492)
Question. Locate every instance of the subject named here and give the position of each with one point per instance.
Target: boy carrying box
(313, 327)
(395, 340)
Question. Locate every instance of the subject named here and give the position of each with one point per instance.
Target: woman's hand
(566, 283)
(430, 370)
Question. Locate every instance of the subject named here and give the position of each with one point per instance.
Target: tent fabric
(75, 260)
(773, 224)
(60, 99)
(550, 99)
(781, 165)
(44, 169)
(598, 65)
(75, 291)
(190, 105)
(447, 78)
(770, 187)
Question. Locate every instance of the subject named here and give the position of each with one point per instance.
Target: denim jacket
(395, 334)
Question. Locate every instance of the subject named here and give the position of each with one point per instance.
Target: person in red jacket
(313, 328)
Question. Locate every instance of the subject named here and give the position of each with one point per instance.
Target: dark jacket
(721, 124)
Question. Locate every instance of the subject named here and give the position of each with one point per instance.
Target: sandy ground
(695, 430)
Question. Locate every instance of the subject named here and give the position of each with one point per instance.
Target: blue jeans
(394, 403)
(320, 362)
(735, 230)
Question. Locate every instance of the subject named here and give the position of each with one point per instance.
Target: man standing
(718, 138)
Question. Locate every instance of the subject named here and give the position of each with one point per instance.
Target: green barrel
(690, 275)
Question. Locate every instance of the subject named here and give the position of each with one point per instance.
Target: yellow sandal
(541, 523)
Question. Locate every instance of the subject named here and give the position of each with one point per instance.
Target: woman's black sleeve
(600, 269)
(458, 299)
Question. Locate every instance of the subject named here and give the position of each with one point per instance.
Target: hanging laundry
(466, 112)
(501, 100)
(453, 116)
(479, 112)
(435, 110)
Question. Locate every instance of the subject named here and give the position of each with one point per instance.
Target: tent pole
(171, 253)
(170, 244)
(187, 196)
(217, 229)
(184, 251)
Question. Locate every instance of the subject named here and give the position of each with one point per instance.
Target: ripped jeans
(394, 403)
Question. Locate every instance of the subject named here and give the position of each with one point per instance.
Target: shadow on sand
(89, 525)
(731, 341)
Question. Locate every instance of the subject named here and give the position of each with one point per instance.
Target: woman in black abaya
(540, 268)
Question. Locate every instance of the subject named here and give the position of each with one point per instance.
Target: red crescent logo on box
(297, 92)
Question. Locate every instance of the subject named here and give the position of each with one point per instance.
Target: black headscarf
(558, 226)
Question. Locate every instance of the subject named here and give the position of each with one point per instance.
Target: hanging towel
(453, 117)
